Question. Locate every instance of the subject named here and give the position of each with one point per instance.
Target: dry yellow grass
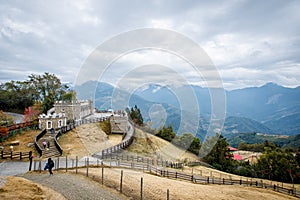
(87, 139)
(25, 139)
(150, 145)
(20, 188)
(156, 187)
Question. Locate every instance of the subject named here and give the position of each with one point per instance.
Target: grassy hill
(149, 145)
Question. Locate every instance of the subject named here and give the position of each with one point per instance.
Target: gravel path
(74, 187)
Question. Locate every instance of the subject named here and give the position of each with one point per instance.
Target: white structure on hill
(62, 112)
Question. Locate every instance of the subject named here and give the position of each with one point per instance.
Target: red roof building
(237, 157)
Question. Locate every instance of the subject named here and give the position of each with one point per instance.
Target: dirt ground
(155, 187)
(20, 188)
(86, 140)
(26, 141)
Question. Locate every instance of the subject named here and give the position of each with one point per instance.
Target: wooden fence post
(66, 163)
(121, 182)
(57, 163)
(141, 188)
(34, 165)
(168, 194)
(30, 160)
(76, 164)
(11, 155)
(20, 155)
(102, 177)
(87, 166)
(40, 166)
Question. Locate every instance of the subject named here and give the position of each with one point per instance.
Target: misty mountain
(277, 108)
(267, 109)
(107, 96)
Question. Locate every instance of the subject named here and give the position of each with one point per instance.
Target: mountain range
(269, 109)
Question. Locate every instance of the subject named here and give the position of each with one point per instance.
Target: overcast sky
(250, 42)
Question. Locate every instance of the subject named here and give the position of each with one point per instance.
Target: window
(59, 123)
(49, 124)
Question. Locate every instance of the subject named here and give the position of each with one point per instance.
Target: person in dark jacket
(50, 166)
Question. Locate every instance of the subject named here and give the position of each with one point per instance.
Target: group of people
(46, 144)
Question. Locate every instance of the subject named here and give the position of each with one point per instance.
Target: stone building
(62, 112)
(75, 110)
(52, 121)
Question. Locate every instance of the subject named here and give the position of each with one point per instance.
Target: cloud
(250, 42)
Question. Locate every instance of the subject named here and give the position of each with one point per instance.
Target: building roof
(232, 148)
(237, 157)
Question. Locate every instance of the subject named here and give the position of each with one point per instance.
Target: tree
(15, 96)
(220, 156)
(106, 126)
(135, 115)
(195, 146)
(166, 133)
(31, 113)
(69, 96)
(188, 141)
(46, 88)
(277, 164)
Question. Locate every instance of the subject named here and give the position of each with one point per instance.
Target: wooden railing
(59, 132)
(36, 145)
(141, 159)
(126, 141)
(15, 155)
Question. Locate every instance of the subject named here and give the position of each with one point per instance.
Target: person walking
(50, 166)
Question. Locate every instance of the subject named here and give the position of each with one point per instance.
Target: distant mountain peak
(272, 85)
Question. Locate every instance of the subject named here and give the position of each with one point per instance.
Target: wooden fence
(92, 120)
(36, 145)
(15, 155)
(68, 164)
(140, 159)
(126, 141)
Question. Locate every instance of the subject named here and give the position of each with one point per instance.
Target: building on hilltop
(54, 121)
(63, 111)
(75, 110)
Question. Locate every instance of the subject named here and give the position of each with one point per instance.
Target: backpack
(46, 166)
(51, 164)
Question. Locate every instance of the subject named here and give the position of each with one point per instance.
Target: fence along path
(146, 165)
(126, 141)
